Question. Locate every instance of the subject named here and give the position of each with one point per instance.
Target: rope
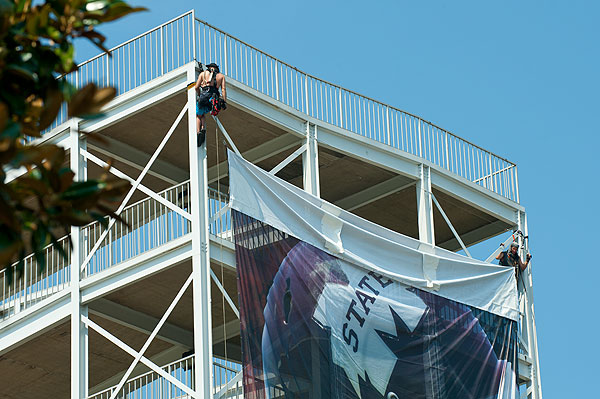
(221, 244)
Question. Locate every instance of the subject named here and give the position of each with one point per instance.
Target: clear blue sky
(520, 79)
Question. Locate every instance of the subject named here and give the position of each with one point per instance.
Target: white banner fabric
(284, 206)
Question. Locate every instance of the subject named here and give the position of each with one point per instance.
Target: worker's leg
(200, 129)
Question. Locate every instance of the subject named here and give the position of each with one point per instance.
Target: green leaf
(5, 7)
(96, 5)
(22, 72)
(12, 130)
(79, 190)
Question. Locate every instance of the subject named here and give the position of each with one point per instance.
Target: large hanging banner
(333, 306)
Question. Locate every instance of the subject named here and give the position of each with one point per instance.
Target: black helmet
(213, 65)
(514, 244)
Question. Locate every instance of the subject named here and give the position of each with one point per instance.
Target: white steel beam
(288, 159)
(219, 213)
(165, 357)
(144, 323)
(476, 196)
(266, 108)
(310, 161)
(140, 186)
(259, 153)
(137, 268)
(374, 193)
(200, 250)
(425, 206)
(60, 136)
(141, 322)
(526, 284)
(369, 151)
(225, 294)
(139, 99)
(231, 329)
(477, 235)
(232, 383)
(222, 252)
(449, 223)
(135, 185)
(132, 352)
(499, 249)
(135, 158)
(153, 334)
(227, 136)
(47, 314)
(79, 333)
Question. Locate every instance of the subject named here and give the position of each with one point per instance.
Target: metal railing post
(420, 139)
(276, 80)
(226, 60)
(517, 184)
(446, 149)
(306, 111)
(491, 172)
(162, 55)
(387, 124)
(193, 30)
(340, 120)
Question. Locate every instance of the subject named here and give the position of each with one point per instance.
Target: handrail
(149, 225)
(348, 90)
(135, 38)
(32, 286)
(185, 38)
(151, 382)
(354, 112)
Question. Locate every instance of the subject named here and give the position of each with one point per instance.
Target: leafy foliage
(36, 49)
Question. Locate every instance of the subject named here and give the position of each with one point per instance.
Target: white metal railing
(138, 60)
(219, 215)
(32, 284)
(183, 39)
(354, 112)
(224, 373)
(151, 385)
(149, 224)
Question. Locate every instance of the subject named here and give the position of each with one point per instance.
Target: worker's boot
(201, 136)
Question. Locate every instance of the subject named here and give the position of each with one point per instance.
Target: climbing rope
(220, 202)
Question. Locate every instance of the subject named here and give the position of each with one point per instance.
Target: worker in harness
(511, 258)
(208, 98)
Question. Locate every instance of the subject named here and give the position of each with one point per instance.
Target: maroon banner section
(315, 326)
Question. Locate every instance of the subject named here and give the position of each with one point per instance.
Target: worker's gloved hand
(529, 257)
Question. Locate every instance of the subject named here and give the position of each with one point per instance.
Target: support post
(79, 331)
(200, 251)
(310, 161)
(425, 206)
(526, 284)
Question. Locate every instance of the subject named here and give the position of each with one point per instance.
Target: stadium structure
(149, 309)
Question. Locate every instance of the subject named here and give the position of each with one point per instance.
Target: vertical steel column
(79, 332)
(200, 248)
(425, 206)
(310, 161)
(535, 386)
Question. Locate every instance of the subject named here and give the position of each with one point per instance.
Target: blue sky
(520, 79)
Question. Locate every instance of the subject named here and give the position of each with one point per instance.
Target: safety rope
(220, 202)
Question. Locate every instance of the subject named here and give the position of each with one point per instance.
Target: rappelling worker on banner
(511, 258)
(208, 98)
